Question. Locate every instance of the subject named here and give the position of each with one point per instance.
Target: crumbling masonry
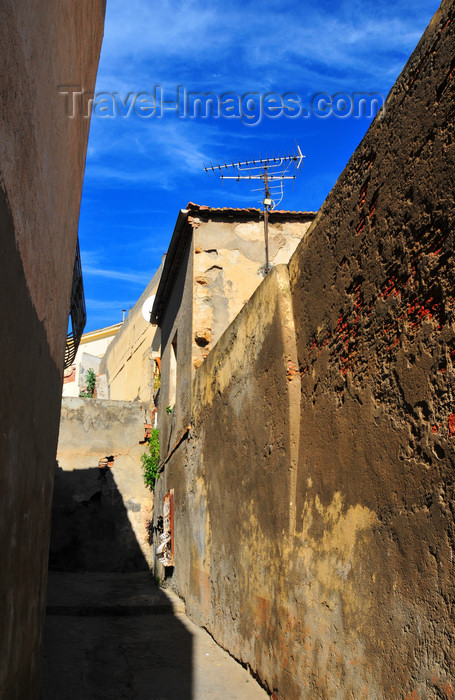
(314, 501)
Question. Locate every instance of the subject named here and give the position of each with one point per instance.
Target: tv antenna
(272, 172)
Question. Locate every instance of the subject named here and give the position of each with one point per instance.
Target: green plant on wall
(90, 383)
(151, 459)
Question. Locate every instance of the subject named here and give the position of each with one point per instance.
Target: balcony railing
(78, 315)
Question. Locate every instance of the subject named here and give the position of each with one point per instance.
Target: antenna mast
(272, 172)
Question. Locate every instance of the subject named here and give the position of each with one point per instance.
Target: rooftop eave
(171, 266)
(207, 211)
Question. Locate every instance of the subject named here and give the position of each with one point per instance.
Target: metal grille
(78, 315)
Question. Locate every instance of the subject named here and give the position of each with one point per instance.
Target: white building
(90, 352)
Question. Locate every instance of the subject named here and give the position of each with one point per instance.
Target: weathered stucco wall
(314, 501)
(229, 262)
(235, 454)
(129, 360)
(377, 360)
(222, 264)
(42, 157)
(100, 516)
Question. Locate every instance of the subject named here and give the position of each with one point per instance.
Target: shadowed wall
(42, 158)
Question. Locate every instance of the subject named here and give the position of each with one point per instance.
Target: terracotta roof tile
(191, 206)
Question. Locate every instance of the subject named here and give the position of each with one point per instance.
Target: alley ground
(119, 636)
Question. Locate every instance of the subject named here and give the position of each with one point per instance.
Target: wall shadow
(110, 631)
(90, 529)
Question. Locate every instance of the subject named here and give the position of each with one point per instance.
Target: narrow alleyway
(119, 636)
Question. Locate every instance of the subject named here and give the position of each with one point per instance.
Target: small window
(173, 372)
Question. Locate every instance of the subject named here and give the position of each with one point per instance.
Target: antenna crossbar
(257, 177)
(272, 171)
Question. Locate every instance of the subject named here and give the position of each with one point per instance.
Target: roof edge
(233, 211)
(171, 265)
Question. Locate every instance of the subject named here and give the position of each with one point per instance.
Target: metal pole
(266, 221)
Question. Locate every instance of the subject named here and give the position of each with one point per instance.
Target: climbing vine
(151, 459)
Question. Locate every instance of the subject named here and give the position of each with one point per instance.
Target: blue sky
(141, 171)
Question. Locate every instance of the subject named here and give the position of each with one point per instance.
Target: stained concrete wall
(235, 480)
(377, 363)
(130, 359)
(42, 157)
(314, 498)
(100, 517)
(222, 265)
(229, 263)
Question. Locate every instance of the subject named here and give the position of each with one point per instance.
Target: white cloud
(299, 47)
(130, 276)
(109, 305)
(243, 46)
